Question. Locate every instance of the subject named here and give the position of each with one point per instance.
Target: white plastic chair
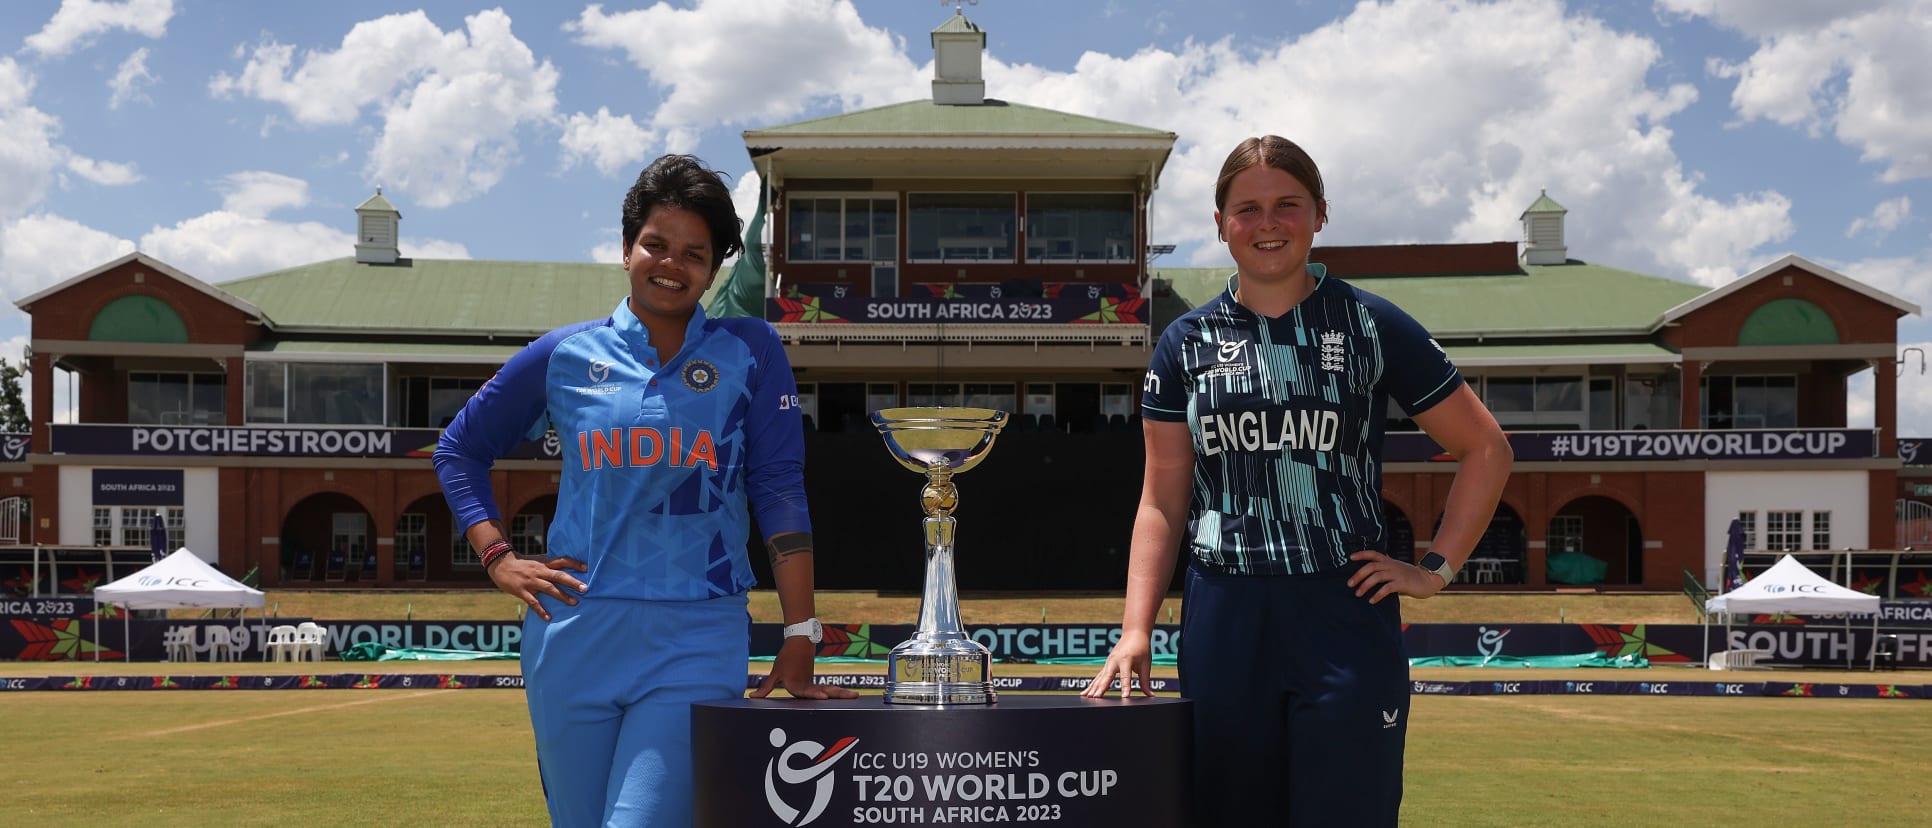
(281, 644)
(221, 644)
(309, 641)
(180, 642)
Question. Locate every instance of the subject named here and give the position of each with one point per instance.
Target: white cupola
(1543, 232)
(957, 46)
(376, 233)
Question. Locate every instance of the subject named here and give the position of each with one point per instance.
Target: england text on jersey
(1270, 431)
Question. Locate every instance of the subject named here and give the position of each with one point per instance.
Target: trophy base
(952, 671)
(931, 693)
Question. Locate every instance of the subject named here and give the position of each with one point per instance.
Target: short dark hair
(1271, 151)
(685, 182)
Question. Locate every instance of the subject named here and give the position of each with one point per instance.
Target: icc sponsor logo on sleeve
(819, 763)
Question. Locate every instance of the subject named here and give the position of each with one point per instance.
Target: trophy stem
(939, 604)
(940, 664)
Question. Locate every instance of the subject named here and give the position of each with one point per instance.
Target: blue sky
(1692, 139)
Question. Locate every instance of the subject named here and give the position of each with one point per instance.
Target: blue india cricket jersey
(1287, 417)
(660, 462)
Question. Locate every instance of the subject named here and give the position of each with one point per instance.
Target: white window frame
(1577, 418)
(1013, 242)
(1565, 529)
(1821, 529)
(1784, 530)
(844, 196)
(1127, 250)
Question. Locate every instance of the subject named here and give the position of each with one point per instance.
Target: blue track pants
(610, 684)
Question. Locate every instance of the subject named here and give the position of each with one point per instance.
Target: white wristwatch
(1438, 564)
(810, 628)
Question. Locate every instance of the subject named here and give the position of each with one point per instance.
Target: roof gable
(925, 118)
(1789, 260)
(163, 268)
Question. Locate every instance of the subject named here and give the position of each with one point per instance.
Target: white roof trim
(1787, 260)
(856, 141)
(157, 266)
(1513, 362)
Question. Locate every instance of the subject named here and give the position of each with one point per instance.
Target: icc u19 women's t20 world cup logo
(817, 769)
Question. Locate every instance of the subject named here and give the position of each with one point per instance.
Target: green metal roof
(390, 351)
(1564, 353)
(958, 23)
(434, 296)
(1545, 204)
(377, 202)
(994, 117)
(1552, 300)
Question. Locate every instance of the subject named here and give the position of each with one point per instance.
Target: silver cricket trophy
(940, 664)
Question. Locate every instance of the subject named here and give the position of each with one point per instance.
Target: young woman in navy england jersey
(675, 429)
(1263, 412)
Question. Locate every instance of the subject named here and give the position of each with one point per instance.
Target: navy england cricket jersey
(660, 462)
(1287, 418)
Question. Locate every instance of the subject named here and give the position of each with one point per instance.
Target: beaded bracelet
(498, 549)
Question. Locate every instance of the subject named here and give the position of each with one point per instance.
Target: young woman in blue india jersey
(676, 429)
(1263, 413)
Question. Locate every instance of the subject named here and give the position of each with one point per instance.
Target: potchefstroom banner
(266, 441)
(1754, 444)
(1823, 642)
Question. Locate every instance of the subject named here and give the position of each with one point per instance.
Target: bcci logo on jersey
(817, 771)
(700, 376)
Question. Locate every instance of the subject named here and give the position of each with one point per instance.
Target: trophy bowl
(940, 664)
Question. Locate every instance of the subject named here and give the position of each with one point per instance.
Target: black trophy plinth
(1052, 759)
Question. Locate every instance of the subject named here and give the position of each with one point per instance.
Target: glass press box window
(1079, 227)
(315, 393)
(1750, 402)
(842, 228)
(945, 227)
(155, 398)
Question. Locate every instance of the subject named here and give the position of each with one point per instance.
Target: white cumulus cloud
(129, 79)
(1856, 70)
(612, 144)
(32, 158)
(78, 22)
(104, 173)
(256, 193)
(753, 62)
(1885, 218)
(450, 103)
(41, 250)
(1434, 141)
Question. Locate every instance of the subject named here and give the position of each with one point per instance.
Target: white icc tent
(179, 581)
(1791, 587)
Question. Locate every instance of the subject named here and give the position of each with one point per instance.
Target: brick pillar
(1885, 406)
(1689, 395)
